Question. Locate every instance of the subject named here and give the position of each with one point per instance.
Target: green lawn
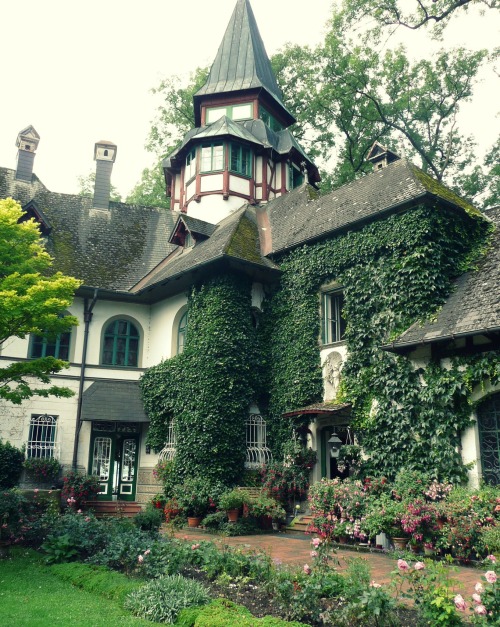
(31, 596)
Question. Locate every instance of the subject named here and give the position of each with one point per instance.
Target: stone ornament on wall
(332, 368)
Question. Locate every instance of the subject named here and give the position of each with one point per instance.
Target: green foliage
(394, 273)
(124, 544)
(149, 519)
(87, 186)
(79, 488)
(11, 465)
(31, 301)
(150, 191)
(162, 599)
(59, 549)
(210, 386)
(42, 468)
(96, 580)
(232, 499)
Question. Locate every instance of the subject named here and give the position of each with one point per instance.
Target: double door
(114, 451)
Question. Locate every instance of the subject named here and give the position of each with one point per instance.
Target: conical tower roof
(242, 62)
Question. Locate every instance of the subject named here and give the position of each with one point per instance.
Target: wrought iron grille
(101, 458)
(489, 437)
(42, 436)
(167, 453)
(258, 453)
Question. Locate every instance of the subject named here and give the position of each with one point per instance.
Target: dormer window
(233, 112)
(296, 177)
(212, 157)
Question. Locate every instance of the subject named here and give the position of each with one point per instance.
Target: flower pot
(400, 543)
(415, 548)
(194, 521)
(232, 515)
(343, 539)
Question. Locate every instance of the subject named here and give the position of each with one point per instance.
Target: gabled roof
(33, 211)
(110, 249)
(472, 308)
(302, 216)
(235, 238)
(199, 229)
(241, 62)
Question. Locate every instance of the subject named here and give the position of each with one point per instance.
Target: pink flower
(374, 584)
(490, 576)
(195, 546)
(476, 598)
(419, 566)
(140, 559)
(87, 518)
(481, 610)
(79, 511)
(147, 551)
(36, 490)
(316, 542)
(307, 569)
(460, 603)
(403, 565)
(479, 587)
(492, 558)
(314, 553)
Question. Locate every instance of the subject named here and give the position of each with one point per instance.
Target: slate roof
(114, 401)
(473, 307)
(198, 226)
(303, 216)
(110, 249)
(241, 62)
(234, 238)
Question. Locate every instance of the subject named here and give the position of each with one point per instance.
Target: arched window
(488, 418)
(45, 346)
(181, 332)
(121, 344)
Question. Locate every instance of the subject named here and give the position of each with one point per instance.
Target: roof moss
(438, 189)
(245, 241)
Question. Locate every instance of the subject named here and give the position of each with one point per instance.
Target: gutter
(87, 317)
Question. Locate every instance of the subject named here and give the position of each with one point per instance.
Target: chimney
(380, 156)
(104, 155)
(27, 143)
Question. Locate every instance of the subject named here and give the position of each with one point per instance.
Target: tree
(31, 301)
(414, 14)
(150, 191)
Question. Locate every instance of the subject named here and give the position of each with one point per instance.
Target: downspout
(87, 318)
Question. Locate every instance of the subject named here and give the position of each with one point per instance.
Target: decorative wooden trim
(283, 177)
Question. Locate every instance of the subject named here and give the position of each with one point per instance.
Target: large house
(243, 201)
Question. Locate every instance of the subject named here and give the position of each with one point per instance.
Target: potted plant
(194, 499)
(231, 502)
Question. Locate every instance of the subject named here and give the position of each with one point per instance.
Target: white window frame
(258, 454)
(332, 322)
(43, 437)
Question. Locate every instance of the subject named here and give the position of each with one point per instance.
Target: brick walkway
(296, 549)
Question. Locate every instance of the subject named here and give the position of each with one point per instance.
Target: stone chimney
(27, 143)
(104, 155)
(380, 156)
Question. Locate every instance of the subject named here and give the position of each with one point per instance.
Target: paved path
(295, 549)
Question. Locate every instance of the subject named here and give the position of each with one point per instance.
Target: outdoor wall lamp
(335, 443)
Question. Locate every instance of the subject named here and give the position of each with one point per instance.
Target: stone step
(301, 523)
(126, 509)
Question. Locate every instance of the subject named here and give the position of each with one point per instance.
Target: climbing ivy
(209, 387)
(394, 272)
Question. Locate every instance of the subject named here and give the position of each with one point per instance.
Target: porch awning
(113, 401)
(342, 410)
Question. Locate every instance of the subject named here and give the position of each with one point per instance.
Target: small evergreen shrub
(150, 519)
(11, 465)
(162, 599)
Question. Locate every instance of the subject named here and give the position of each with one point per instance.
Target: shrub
(13, 509)
(44, 469)
(150, 519)
(59, 549)
(124, 544)
(79, 488)
(86, 535)
(11, 465)
(196, 497)
(233, 499)
(162, 599)
(285, 483)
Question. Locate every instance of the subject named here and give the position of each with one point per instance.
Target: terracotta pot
(194, 521)
(232, 515)
(400, 543)
(343, 539)
(415, 548)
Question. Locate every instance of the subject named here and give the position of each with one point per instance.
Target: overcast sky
(80, 72)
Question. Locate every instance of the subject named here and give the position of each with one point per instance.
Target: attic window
(27, 147)
(233, 112)
(105, 153)
(189, 240)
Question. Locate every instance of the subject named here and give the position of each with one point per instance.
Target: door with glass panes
(114, 449)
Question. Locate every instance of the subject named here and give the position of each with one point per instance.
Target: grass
(32, 596)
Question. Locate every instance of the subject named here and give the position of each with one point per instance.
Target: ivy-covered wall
(394, 272)
(209, 387)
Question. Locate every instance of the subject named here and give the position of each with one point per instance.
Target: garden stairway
(103, 509)
(300, 524)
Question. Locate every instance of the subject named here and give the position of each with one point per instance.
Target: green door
(113, 458)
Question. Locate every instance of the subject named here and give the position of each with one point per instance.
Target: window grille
(489, 438)
(42, 436)
(167, 453)
(257, 452)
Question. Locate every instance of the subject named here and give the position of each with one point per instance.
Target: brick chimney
(27, 143)
(104, 155)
